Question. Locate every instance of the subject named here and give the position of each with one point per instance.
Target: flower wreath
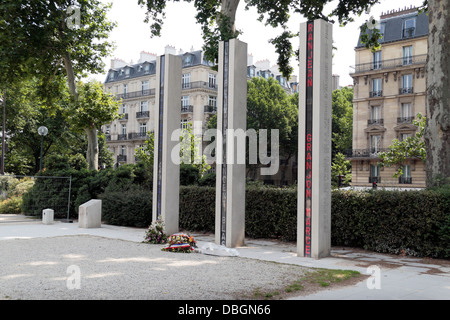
(181, 242)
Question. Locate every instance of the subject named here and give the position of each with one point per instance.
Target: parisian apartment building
(135, 83)
(389, 92)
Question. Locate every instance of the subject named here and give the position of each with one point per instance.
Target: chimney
(117, 63)
(147, 56)
(249, 59)
(170, 50)
(263, 64)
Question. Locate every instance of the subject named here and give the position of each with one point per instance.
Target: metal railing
(375, 121)
(391, 63)
(121, 158)
(199, 85)
(121, 137)
(137, 136)
(142, 114)
(403, 120)
(187, 109)
(136, 94)
(123, 117)
(405, 180)
(409, 33)
(374, 94)
(406, 90)
(210, 109)
(364, 153)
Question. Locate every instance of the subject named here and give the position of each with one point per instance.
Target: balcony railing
(123, 117)
(137, 136)
(136, 94)
(405, 180)
(391, 63)
(121, 158)
(375, 122)
(199, 85)
(187, 109)
(121, 137)
(405, 120)
(364, 153)
(210, 109)
(142, 114)
(374, 94)
(406, 90)
(409, 33)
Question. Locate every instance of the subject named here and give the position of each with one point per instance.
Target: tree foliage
(411, 147)
(342, 120)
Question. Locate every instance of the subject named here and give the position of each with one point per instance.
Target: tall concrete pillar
(314, 164)
(166, 171)
(231, 116)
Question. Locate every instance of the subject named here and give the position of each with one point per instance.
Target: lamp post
(42, 132)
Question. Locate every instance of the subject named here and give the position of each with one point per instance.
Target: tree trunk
(70, 75)
(437, 131)
(228, 9)
(92, 149)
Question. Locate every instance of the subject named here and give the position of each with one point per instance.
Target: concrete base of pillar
(90, 214)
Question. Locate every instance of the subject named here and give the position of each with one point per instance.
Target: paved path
(393, 277)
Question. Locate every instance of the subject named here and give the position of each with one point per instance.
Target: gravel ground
(116, 269)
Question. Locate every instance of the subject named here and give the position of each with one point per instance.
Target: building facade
(135, 84)
(389, 91)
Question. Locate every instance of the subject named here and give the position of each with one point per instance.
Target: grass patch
(310, 282)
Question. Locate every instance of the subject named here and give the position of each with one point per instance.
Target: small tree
(411, 147)
(89, 112)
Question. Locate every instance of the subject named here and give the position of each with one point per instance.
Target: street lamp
(42, 132)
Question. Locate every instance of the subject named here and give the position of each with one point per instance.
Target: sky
(132, 35)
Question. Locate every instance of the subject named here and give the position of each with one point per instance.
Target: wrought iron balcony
(199, 85)
(405, 180)
(142, 114)
(187, 109)
(121, 137)
(364, 153)
(406, 90)
(405, 120)
(123, 117)
(210, 109)
(137, 136)
(391, 63)
(136, 94)
(374, 94)
(375, 122)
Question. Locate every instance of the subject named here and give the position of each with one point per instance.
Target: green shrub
(11, 205)
(130, 208)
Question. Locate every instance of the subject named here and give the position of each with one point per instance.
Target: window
(377, 60)
(407, 84)
(382, 30)
(376, 88)
(375, 173)
(212, 80)
(404, 136)
(375, 115)
(185, 101)
(124, 108)
(406, 176)
(143, 129)
(407, 55)
(188, 60)
(186, 81)
(212, 101)
(145, 86)
(125, 89)
(123, 150)
(409, 28)
(124, 129)
(406, 110)
(185, 124)
(144, 106)
(375, 142)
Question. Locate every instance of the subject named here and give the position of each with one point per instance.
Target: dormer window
(188, 60)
